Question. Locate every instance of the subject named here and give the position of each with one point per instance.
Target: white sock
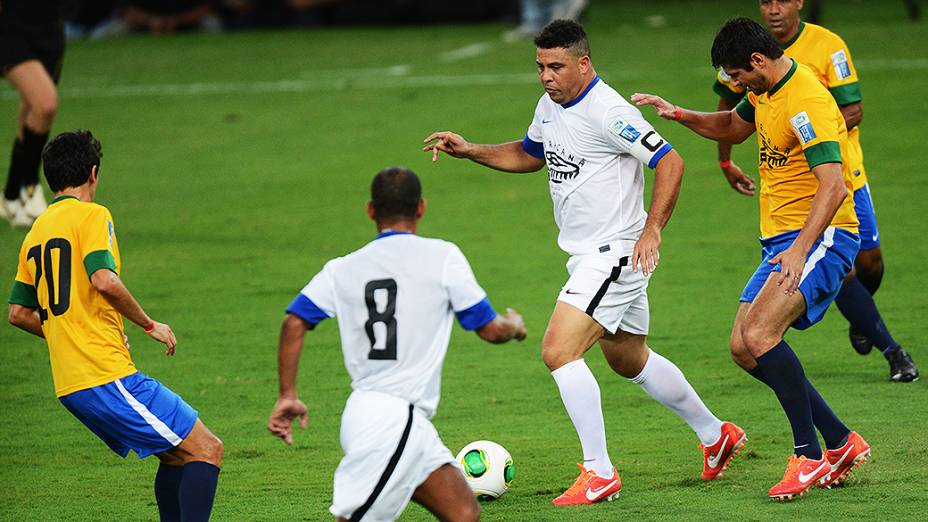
(580, 394)
(665, 383)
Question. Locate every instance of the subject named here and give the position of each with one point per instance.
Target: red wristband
(725, 164)
(677, 112)
(150, 328)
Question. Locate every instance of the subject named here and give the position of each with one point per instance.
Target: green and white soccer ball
(488, 468)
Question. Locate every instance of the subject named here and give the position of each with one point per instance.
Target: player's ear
(757, 60)
(93, 175)
(585, 64)
(370, 211)
(420, 210)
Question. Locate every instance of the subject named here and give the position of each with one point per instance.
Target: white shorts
(390, 449)
(606, 288)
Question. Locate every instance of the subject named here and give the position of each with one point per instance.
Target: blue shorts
(863, 205)
(829, 261)
(134, 413)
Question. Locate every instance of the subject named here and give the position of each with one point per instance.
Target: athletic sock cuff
(643, 375)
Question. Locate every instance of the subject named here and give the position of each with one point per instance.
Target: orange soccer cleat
(843, 460)
(801, 473)
(717, 457)
(589, 488)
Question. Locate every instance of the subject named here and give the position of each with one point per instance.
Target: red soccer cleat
(843, 460)
(589, 488)
(801, 473)
(717, 457)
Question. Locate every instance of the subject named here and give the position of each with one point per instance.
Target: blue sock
(783, 373)
(858, 307)
(828, 424)
(197, 490)
(167, 488)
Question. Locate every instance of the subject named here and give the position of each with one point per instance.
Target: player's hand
(447, 142)
(646, 251)
(285, 412)
(792, 261)
(741, 182)
(163, 334)
(515, 318)
(665, 109)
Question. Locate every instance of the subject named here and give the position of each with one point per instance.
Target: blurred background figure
(538, 13)
(168, 16)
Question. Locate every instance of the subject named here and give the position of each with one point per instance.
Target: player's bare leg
(446, 495)
(185, 484)
(629, 355)
(569, 335)
(23, 198)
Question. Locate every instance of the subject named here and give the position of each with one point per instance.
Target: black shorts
(21, 42)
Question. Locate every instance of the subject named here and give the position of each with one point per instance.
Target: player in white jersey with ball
(595, 144)
(395, 300)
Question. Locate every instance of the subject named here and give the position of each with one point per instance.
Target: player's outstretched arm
(507, 157)
(504, 328)
(115, 292)
(718, 126)
(26, 319)
(853, 114)
(739, 181)
(288, 406)
(668, 175)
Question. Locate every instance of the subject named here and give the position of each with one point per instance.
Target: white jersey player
(595, 145)
(395, 300)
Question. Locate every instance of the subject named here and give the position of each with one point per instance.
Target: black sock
(858, 307)
(24, 162)
(782, 372)
(871, 281)
(167, 489)
(826, 422)
(197, 490)
(14, 180)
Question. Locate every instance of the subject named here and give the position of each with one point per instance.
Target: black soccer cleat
(859, 341)
(901, 366)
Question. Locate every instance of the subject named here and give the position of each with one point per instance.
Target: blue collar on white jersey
(388, 233)
(583, 94)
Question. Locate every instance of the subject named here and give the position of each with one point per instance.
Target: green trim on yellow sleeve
(745, 110)
(99, 260)
(846, 94)
(24, 295)
(823, 152)
(722, 90)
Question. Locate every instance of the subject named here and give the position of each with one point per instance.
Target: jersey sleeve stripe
(727, 93)
(533, 148)
(823, 152)
(476, 316)
(661, 152)
(24, 295)
(304, 308)
(745, 110)
(846, 94)
(99, 260)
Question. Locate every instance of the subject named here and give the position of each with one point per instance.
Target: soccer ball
(488, 468)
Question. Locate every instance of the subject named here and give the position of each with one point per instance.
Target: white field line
(393, 77)
(463, 53)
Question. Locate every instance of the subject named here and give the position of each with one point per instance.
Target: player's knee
(756, 339)
(555, 355)
(42, 112)
(469, 512)
(740, 355)
(869, 264)
(215, 449)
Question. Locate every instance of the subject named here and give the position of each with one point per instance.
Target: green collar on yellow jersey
(784, 79)
(62, 198)
(791, 41)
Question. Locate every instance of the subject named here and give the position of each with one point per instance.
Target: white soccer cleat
(14, 212)
(33, 201)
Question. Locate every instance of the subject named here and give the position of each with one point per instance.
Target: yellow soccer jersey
(829, 58)
(69, 242)
(799, 126)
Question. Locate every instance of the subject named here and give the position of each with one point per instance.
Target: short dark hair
(738, 39)
(69, 158)
(566, 34)
(395, 192)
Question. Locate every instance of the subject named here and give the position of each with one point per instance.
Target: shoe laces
(792, 467)
(581, 481)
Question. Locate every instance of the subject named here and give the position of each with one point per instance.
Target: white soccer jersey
(594, 147)
(395, 299)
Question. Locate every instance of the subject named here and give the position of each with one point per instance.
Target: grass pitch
(235, 165)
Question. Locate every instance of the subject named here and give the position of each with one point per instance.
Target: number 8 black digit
(388, 353)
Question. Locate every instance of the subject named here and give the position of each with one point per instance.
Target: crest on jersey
(559, 169)
(842, 67)
(624, 130)
(771, 155)
(803, 127)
